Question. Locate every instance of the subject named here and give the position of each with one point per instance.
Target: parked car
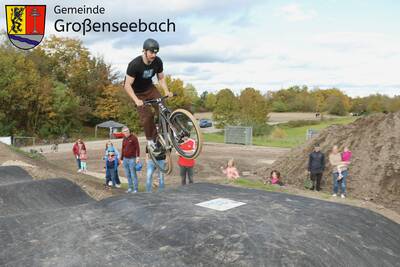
(204, 123)
(118, 135)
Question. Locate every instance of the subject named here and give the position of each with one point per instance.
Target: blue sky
(353, 45)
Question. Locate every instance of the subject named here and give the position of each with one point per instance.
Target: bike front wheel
(184, 126)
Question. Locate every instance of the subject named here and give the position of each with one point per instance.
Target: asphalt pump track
(54, 223)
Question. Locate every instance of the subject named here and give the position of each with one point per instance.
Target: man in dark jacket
(316, 166)
(130, 156)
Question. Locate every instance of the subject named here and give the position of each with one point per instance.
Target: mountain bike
(173, 129)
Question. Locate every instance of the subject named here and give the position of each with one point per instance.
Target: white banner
(6, 140)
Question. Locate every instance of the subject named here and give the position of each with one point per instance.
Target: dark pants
(146, 113)
(113, 174)
(186, 172)
(341, 182)
(316, 179)
(78, 161)
(109, 176)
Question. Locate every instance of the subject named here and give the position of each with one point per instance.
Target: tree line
(331, 101)
(60, 87)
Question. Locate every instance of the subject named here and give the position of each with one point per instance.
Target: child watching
(274, 178)
(230, 170)
(111, 168)
(346, 158)
(83, 157)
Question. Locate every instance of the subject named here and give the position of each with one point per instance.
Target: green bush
(279, 106)
(262, 129)
(278, 133)
(300, 123)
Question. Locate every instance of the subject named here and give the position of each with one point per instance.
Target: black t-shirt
(143, 73)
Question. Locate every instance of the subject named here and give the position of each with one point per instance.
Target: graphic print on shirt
(148, 73)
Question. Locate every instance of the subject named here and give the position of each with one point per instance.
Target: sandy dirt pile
(374, 173)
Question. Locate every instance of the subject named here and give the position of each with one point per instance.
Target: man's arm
(122, 150)
(136, 141)
(128, 89)
(163, 83)
(138, 147)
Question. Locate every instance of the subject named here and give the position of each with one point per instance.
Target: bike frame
(164, 119)
(171, 131)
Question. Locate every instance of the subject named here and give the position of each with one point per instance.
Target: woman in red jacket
(76, 149)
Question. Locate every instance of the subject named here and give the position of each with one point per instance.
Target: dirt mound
(374, 173)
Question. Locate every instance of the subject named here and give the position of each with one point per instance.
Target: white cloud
(295, 12)
(212, 52)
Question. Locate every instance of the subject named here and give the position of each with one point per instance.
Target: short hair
(125, 129)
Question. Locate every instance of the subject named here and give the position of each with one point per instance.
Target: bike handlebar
(156, 100)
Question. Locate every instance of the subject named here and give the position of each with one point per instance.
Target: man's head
(150, 49)
(317, 148)
(126, 131)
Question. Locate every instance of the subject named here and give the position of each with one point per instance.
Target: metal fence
(20, 141)
(238, 135)
(311, 133)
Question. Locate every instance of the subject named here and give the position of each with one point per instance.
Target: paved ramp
(13, 174)
(168, 229)
(33, 196)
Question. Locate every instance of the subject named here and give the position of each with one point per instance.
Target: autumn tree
(108, 105)
(394, 104)
(176, 86)
(210, 101)
(191, 92)
(253, 107)
(226, 108)
(254, 111)
(375, 103)
(71, 63)
(19, 90)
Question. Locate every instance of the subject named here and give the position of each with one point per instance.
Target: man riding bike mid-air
(140, 87)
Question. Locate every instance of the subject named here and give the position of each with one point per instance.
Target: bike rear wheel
(183, 124)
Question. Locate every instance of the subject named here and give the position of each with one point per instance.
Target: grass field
(247, 183)
(295, 136)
